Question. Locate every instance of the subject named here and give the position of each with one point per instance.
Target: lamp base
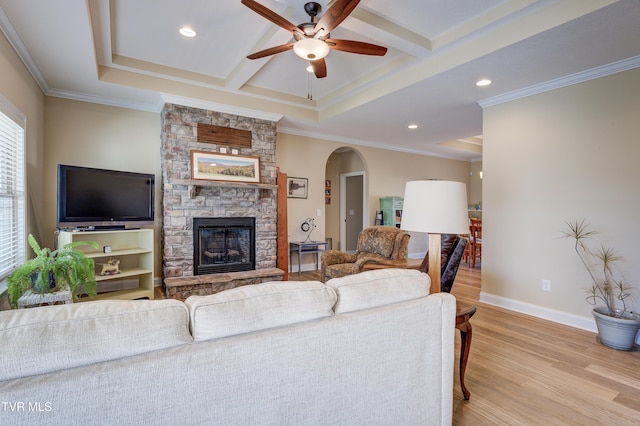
(434, 254)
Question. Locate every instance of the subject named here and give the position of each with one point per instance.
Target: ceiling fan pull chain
(309, 94)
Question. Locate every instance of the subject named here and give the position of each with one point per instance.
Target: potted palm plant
(617, 325)
(66, 268)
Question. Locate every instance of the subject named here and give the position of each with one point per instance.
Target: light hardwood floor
(527, 371)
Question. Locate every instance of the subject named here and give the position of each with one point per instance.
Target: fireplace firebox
(223, 244)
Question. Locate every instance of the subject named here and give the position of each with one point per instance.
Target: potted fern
(66, 268)
(617, 325)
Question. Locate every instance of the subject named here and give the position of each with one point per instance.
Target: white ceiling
(129, 53)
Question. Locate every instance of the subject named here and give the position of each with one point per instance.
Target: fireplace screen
(223, 245)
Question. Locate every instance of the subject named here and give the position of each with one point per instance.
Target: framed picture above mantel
(224, 167)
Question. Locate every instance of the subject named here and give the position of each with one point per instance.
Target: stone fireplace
(184, 200)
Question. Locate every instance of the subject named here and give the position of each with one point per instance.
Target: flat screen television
(103, 199)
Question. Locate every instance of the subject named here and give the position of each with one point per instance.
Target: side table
(463, 315)
(29, 298)
(301, 247)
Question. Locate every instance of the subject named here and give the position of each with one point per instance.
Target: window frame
(19, 255)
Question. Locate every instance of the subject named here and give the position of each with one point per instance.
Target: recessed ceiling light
(483, 82)
(412, 126)
(187, 32)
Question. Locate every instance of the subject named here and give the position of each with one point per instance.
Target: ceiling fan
(313, 40)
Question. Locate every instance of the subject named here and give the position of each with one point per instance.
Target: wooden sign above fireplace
(225, 136)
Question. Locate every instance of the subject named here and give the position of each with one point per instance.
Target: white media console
(132, 247)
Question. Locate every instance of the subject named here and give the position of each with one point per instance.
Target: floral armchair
(383, 245)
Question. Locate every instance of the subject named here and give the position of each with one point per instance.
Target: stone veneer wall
(179, 138)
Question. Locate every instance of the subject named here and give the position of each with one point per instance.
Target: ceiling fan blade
(319, 68)
(271, 51)
(356, 47)
(271, 16)
(337, 13)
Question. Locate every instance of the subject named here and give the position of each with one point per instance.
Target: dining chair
(475, 241)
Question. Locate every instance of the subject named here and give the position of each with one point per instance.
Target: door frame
(343, 205)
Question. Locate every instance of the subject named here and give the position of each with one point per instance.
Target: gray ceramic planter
(617, 333)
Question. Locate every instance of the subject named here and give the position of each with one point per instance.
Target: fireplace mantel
(194, 185)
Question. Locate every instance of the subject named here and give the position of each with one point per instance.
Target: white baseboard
(304, 267)
(577, 321)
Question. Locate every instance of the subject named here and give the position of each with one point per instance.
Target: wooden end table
(464, 313)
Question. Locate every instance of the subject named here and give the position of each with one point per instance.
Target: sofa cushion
(51, 338)
(378, 287)
(258, 307)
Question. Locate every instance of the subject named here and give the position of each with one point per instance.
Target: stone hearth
(203, 285)
(184, 199)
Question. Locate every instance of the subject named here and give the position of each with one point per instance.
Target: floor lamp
(436, 207)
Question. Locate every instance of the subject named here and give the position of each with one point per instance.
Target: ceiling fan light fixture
(311, 48)
(188, 32)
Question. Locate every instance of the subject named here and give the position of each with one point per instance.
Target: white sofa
(366, 349)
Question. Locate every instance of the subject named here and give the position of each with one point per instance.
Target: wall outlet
(546, 285)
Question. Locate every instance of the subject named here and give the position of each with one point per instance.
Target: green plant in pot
(66, 268)
(617, 325)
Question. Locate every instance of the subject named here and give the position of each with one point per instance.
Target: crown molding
(18, 46)
(102, 100)
(360, 142)
(558, 83)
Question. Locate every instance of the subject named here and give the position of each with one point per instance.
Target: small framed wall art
(327, 191)
(224, 167)
(297, 187)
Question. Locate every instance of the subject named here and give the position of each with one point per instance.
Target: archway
(346, 201)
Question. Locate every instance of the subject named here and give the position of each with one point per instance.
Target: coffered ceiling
(129, 53)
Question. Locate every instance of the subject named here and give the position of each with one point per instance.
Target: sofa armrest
(376, 259)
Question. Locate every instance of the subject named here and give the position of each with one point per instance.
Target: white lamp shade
(311, 48)
(435, 206)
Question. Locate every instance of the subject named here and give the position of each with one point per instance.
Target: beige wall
(387, 172)
(20, 94)
(92, 135)
(562, 155)
(21, 91)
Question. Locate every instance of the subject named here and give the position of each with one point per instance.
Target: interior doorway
(352, 209)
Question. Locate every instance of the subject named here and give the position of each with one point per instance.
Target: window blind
(12, 195)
